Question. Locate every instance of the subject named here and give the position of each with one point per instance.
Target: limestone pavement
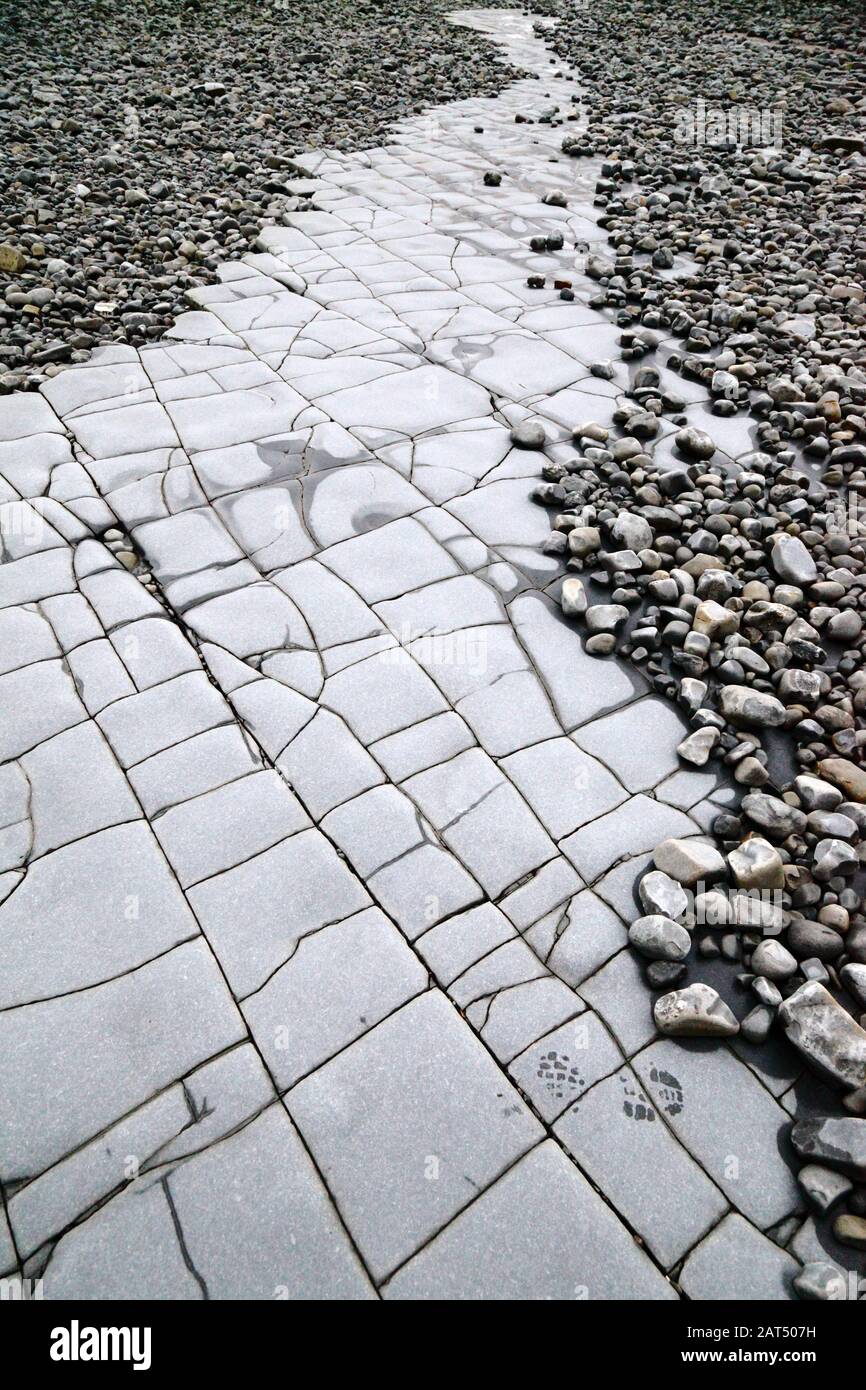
(318, 826)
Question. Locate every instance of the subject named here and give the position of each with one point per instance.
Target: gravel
(738, 584)
(145, 142)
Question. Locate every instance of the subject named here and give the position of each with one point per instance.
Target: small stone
(583, 541)
(605, 617)
(696, 443)
(818, 1282)
(632, 532)
(689, 861)
(572, 597)
(659, 893)
(792, 561)
(696, 1011)
(823, 1186)
(771, 960)
(601, 644)
(767, 992)
(658, 938)
(715, 620)
(850, 1230)
(813, 940)
(12, 260)
(774, 815)
(529, 434)
(697, 747)
(751, 773)
(665, 974)
(847, 775)
(757, 864)
(831, 857)
(745, 708)
(816, 795)
(838, 1143)
(755, 1027)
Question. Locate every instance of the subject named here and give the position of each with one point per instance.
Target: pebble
(659, 893)
(746, 708)
(572, 597)
(659, 938)
(828, 1037)
(697, 1011)
(755, 1027)
(529, 434)
(605, 617)
(821, 1282)
(850, 1230)
(771, 960)
(757, 864)
(792, 561)
(823, 1186)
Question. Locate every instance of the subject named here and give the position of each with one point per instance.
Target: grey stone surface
(128, 1249)
(639, 742)
(408, 1125)
(223, 828)
(577, 937)
(729, 1123)
(483, 819)
(105, 1051)
(655, 1185)
(737, 1262)
(540, 1232)
(324, 738)
(638, 825)
(245, 911)
(454, 946)
(278, 1236)
(564, 787)
(116, 927)
(340, 982)
(618, 993)
(559, 1067)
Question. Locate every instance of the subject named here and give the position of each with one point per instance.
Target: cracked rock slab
(408, 1126)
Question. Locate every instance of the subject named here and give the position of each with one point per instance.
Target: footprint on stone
(669, 1093)
(636, 1105)
(560, 1078)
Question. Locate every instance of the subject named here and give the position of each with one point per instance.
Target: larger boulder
(826, 1034)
